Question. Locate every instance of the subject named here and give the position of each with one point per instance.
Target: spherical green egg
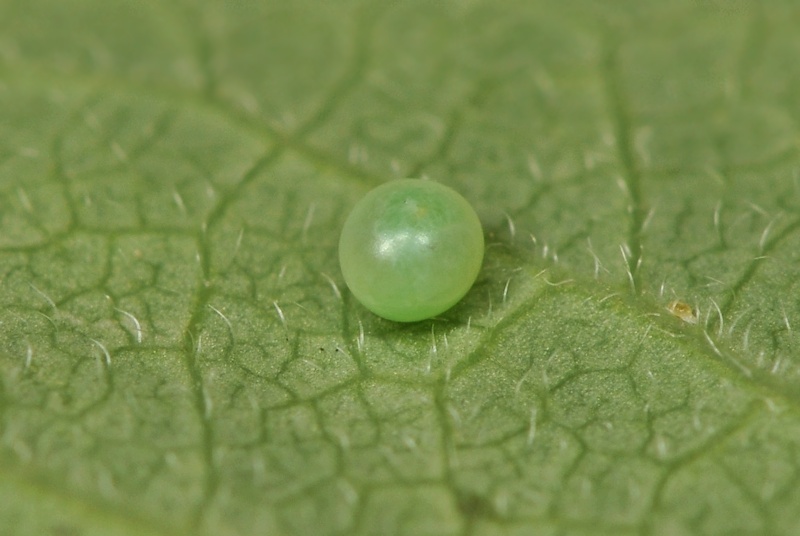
(411, 249)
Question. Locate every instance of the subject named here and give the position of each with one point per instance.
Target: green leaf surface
(179, 354)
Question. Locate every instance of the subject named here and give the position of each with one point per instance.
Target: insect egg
(411, 249)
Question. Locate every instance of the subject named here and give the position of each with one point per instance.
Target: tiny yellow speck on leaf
(682, 310)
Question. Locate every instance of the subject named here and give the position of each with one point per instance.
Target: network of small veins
(689, 313)
(686, 312)
(358, 155)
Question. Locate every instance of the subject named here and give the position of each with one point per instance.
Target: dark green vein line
(752, 268)
(615, 98)
(353, 74)
(715, 442)
(454, 122)
(224, 203)
(445, 424)
(179, 19)
(192, 333)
